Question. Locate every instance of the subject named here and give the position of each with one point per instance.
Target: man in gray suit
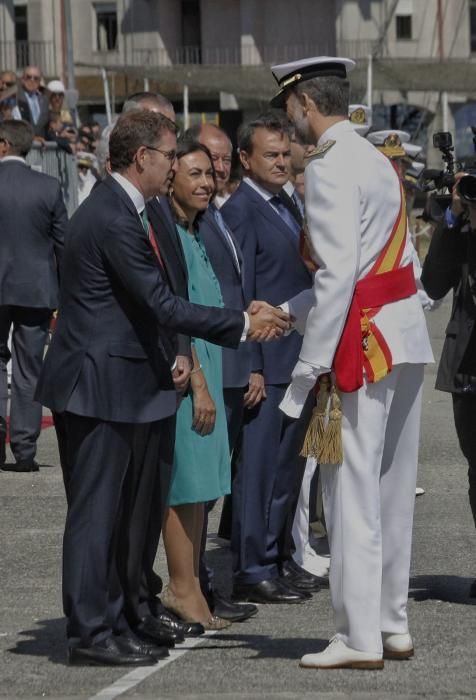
(32, 222)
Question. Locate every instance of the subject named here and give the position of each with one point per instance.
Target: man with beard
(364, 321)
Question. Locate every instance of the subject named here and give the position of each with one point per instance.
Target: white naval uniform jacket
(352, 199)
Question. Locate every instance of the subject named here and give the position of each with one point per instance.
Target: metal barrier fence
(50, 159)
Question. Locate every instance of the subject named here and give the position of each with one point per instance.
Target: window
(21, 36)
(404, 26)
(106, 26)
(472, 25)
(404, 15)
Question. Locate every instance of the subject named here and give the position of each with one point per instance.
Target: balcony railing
(245, 55)
(15, 55)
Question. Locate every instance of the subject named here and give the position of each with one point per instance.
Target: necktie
(34, 107)
(286, 215)
(150, 236)
(222, 226)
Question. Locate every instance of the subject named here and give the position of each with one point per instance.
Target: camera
(445, 179)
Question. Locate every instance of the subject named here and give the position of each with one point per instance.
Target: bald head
(220, 146)
(152, 102)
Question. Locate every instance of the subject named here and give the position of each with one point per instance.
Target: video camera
(445, 179)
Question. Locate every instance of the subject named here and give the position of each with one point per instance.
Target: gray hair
(18, 134)
(330, 94)
(270, 121)
(137, 100)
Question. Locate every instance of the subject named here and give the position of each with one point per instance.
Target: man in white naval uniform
(353, 201)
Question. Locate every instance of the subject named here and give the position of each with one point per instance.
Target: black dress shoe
(133, 645)
(23, 465)
(179, 628)
(107, 653)
(152, 631)
(299, 578)
(472, 589)
(270, 591)
(227, 610)
(286, 583)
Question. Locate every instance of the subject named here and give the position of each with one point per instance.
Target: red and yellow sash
(362, 346)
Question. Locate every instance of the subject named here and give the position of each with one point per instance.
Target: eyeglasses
(170, 155)
(36, 78)
(9, 83)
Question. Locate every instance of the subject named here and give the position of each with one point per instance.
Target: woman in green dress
(201, 469)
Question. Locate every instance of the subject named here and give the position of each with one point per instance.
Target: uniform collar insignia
(319, 151)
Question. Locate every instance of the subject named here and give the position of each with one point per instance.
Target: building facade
(422, 65)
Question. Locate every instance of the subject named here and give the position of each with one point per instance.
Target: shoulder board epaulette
(319, 151)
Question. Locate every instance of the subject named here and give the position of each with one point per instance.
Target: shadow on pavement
(269, 647)
(449, 589)
(48, 638)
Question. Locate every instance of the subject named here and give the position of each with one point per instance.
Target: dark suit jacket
(32, 224)
(451, 264)
(165, 231)
(236, 363)
(108, 357)
(273, 271)
(41, 126)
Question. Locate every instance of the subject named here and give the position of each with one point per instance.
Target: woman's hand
(204, 411)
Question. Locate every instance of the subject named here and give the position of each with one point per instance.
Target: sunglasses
(36, 78)
(57, 94)
(8, 83)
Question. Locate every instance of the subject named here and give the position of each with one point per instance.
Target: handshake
(267, 322)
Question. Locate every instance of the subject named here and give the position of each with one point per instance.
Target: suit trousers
(107, 520)
(368, 504)
(155, 477)
(464, 409)
(29, 333)
(266, 486)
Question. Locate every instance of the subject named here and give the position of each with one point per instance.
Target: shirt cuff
(246, 328)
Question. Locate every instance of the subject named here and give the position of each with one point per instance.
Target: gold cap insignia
(357, 116)
(290, 81)
(392, 141)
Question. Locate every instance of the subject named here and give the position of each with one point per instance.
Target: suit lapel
(220, 235)
(267, 211)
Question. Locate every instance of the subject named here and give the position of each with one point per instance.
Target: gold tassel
(331, 451)
(317, 424)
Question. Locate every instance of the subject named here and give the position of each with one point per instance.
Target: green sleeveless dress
(201, 470)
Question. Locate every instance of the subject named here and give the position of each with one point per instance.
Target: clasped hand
(266, 322)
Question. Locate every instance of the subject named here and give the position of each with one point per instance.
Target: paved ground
(257, 659)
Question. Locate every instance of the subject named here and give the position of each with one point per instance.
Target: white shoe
(397, 646)
(314, 563)
(419, 491)
(339, 655)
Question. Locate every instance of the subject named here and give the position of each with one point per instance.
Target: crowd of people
(198, 325)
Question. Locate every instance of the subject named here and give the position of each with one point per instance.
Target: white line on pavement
(133, 678)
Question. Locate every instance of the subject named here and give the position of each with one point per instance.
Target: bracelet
(197, 369)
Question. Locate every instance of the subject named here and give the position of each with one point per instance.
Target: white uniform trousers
(300, 530)
(368, 504)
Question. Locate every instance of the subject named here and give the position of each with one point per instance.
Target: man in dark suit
(108, 374)
(32, 223)
(268, 477)
(451, 265)
(33, 105)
